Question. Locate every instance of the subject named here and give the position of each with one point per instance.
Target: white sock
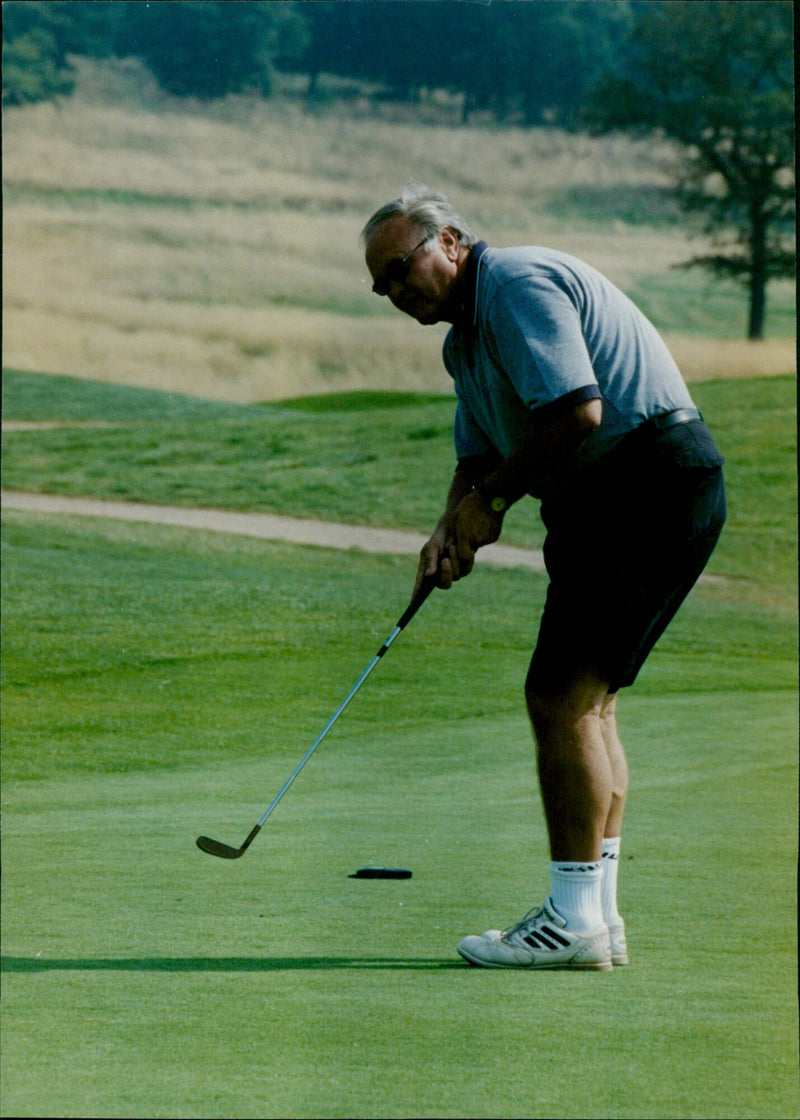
(610, 864)
(576, 894)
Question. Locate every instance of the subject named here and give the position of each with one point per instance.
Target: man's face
(423, 286)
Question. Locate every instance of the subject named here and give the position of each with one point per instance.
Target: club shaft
(326, 728)
(412, 609)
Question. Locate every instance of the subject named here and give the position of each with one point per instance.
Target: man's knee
(561, 705)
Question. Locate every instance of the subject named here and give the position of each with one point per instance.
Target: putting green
(144, 978)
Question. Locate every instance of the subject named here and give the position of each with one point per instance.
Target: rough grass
(214, 250)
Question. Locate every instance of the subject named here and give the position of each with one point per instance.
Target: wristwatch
(495, 501)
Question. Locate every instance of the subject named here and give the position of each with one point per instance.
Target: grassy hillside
(213, 250)
(378, 459)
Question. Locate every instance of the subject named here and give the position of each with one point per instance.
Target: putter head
(215, 848)
(225, 851)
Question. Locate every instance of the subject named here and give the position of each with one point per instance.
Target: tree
(208, 48)
(204, 49)
(550, 54)
(717, 76)
(520, 59)
(35, 45)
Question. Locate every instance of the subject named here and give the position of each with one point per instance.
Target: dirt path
(264, 526)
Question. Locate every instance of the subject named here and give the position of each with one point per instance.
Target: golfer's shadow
(218, 964)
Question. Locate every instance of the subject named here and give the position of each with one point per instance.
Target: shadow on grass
(216, 964)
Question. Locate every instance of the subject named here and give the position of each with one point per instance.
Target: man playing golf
(566, 392)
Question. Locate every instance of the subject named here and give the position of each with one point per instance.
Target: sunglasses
(395, 271)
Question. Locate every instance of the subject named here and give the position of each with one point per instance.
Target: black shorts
(624, 547)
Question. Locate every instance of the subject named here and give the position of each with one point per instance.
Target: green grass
(585, 204)
(92, 657)
(691, 302)
(159, 683)
(94, 197)
(358, 458)
(37, 396)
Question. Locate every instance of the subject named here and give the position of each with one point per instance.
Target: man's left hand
(472, 526)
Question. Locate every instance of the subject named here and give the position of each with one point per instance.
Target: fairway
(162, 682)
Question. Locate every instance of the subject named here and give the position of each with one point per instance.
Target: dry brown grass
(707, 359)
(216, 251)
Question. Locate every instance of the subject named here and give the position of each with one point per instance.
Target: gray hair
(427, 209)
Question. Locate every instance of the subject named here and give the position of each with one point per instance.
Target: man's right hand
(430, 560)
(449, 555)
(443, 560)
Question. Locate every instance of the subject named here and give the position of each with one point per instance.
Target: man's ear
(451, 246)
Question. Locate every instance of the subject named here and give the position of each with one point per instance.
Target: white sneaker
(616, 937)
(540, 940)
(619, 945)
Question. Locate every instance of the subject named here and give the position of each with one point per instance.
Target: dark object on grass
(381, 873)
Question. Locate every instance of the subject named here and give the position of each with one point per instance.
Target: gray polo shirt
(542, 326)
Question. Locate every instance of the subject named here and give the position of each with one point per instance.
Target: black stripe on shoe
(537, 939)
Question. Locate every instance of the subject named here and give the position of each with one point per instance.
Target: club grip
(420, 597)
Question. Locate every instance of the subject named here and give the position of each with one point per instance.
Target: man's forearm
(484, 486)
(547, 447)
(447, 554)
(469, 473)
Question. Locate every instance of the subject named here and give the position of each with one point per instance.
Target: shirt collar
(469, 305)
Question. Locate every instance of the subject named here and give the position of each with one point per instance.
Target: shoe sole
(580, 966)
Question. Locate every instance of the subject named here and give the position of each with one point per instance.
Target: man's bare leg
(613, 831)
(576, 771)
(618, 763)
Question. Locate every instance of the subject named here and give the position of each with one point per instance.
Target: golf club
(225, 851)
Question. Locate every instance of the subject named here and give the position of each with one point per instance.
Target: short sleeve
(468, 437)
(534, 330)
